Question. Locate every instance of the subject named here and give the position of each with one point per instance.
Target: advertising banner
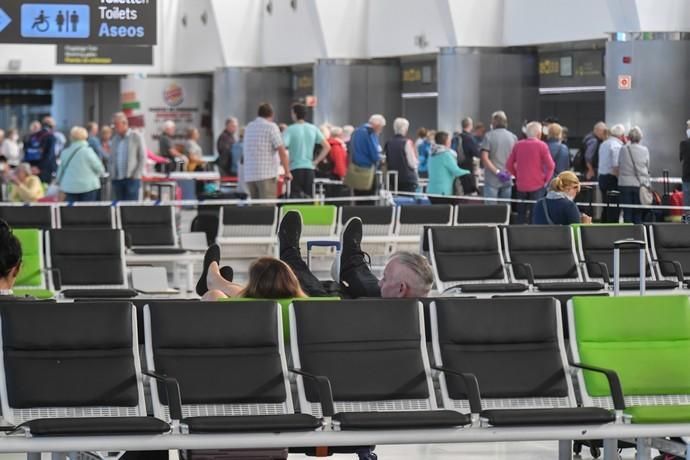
(149, 102)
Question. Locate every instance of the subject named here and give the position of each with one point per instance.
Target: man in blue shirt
(300, 140)
(365, 148)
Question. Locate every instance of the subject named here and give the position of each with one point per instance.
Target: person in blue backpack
(423, 145)
(39, 151)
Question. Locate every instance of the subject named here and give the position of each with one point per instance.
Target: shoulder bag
(54, 188)
(646, 192)
(360, 178)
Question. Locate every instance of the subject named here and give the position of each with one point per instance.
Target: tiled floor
(485, 451)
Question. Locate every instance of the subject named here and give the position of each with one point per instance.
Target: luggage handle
(323, 244)
(629, 242)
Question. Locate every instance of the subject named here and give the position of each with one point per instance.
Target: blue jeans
(631, 195)
(504, 191)
(93, 195)
(686, 195)
(126, 189)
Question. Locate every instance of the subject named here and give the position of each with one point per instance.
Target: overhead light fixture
(269, 7)
(293, 4)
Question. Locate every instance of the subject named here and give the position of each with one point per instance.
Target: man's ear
(403, 289)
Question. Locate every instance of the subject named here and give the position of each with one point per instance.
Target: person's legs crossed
(355, 274)
(289, 233)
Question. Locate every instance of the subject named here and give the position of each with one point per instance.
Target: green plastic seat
(318, 221)
(284, 307)
(646, 340)
(30, 280)
(660, 414)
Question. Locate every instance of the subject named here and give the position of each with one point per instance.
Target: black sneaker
(351, 254)
(227, 273)
(289, 231)
(212, 255)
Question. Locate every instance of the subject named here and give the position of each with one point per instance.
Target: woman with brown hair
(269, 278)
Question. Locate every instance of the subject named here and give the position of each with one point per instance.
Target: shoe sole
(301, 226)
(335, 268)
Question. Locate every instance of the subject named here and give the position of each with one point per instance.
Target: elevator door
(421, 112)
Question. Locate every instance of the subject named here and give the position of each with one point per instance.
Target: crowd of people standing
(509, 165)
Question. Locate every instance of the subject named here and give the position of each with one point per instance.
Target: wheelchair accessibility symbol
(40, 20)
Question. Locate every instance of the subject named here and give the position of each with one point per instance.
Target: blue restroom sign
(93, 22)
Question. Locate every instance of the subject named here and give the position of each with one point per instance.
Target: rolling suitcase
(617, 245)
(595, 445)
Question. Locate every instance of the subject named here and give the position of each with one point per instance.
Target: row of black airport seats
(144, 225)
(518, 258)
(221, 367)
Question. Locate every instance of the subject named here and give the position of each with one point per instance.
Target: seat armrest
(448, 289)
(677, 267)
(172, 388)
(603, 268)
(471, 385)
(614, 383)
(527, 267)
(57, 277)
(323, 386)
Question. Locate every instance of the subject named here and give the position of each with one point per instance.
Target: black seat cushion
(149, 251)
(649, 284)
(570, 286)
(94, 426)
(252, 423)
(493, 287)
(566, 416)
(99, 293)
(401, 420)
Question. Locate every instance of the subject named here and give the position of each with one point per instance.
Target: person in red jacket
(532, 165)
(338, 153)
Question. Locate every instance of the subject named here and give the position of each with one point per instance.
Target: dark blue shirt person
(364, 144)
(558, 207)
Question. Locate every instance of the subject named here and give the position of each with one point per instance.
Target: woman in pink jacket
(532, 165)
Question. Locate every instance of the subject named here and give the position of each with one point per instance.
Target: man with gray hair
(402, 157)
(494, 150)
(531, 163)
(592, 142)
(365, 151)
(127, 159)
(166, 144)
(609, 153)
